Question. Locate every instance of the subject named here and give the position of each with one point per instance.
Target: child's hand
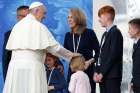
(50, 88)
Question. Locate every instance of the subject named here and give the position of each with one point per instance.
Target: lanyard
(50, 76)
(101, 45)
(78, 42)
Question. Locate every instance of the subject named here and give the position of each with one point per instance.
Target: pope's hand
(76, 54)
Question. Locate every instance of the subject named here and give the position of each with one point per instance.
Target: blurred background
(125, 10)
(56, 21)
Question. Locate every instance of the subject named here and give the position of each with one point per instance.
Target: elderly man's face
(22, 13)
(41, 13)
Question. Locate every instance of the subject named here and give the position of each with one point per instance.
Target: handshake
(97, 77)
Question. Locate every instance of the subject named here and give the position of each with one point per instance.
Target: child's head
(106, 15)
(134, 28)
(51, 60)
(77, 63)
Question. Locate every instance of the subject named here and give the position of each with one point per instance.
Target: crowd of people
(31, 55)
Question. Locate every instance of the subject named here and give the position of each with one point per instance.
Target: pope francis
(29, 42)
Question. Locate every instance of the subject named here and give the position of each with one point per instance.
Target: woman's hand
(89, 62)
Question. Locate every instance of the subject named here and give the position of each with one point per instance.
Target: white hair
(36, 9)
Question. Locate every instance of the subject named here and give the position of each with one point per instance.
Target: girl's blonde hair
(77, 63)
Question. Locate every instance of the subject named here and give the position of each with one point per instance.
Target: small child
(79, 82)
(56, 80)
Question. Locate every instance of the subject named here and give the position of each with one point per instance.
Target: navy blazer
(88, 43)
(57, 80)
(111, 55)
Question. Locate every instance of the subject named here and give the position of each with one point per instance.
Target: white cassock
(29, 41)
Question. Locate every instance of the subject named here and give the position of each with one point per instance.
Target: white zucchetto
(35, 4)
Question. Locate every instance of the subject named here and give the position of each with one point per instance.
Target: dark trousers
(136, 84)
(136, 92)
(110, 86)
(136, 89)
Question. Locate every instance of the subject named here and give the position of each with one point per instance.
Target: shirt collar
(136, 40)
(109, 27)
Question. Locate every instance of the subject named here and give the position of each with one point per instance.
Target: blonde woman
(82, 40)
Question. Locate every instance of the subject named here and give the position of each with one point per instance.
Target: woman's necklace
(75, 48)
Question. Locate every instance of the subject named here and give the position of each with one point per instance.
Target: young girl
(79, 82)
(56, 81)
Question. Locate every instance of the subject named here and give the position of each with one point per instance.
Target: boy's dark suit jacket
(136, 67)
(111, 55)
(111, 59)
